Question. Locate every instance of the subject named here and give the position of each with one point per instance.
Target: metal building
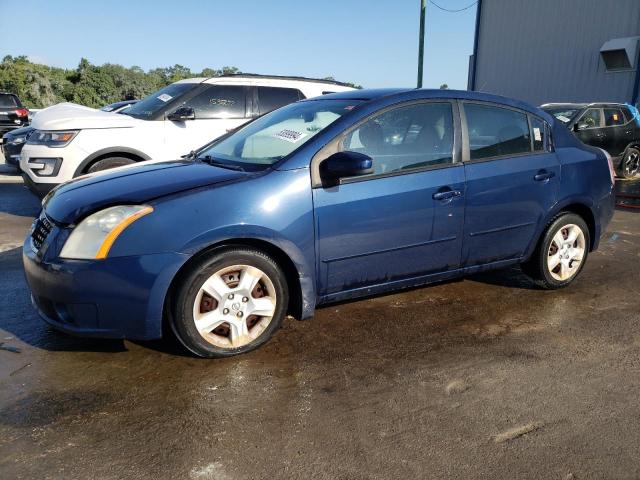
(558, 50)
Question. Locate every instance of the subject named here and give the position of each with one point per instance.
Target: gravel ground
(486, 377)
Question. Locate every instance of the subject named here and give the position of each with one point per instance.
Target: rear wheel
(561, 254)
(230, 303)
(109, 162)
(630, 165)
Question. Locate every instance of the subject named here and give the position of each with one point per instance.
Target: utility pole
(421, 44)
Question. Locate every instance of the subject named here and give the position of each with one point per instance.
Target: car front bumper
(119, 297)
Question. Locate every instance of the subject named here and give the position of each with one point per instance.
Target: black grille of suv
(41, 231)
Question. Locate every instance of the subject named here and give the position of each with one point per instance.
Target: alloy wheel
(631, 164)
(566, 252)
(234, 306)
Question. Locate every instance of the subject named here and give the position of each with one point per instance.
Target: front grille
(41, 231)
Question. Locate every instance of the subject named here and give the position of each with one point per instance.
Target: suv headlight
(54, 139)
(93, 237)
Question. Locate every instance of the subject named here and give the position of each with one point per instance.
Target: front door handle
(446, 195)
(543, 175)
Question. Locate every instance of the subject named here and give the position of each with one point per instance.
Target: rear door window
(495, 131)
(8, 101)
(271, 98)
(220, 101)
(613, 117)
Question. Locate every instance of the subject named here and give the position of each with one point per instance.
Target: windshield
(149, 106)
(563, 114)
(277, 134)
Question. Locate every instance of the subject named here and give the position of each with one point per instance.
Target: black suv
(12, 113)
(614, 127)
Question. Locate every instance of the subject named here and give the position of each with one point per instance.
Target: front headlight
(20, 139)
(94, 236)
(52, 139)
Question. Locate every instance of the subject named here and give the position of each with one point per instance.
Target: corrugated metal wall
(549, 50)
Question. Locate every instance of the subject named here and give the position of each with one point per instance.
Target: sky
(373, 43)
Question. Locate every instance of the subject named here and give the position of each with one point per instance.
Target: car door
(217, 108)
(512, 180)
(589, 128)
(403, 220)
(619, 131)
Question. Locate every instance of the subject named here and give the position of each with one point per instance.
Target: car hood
(134, 184)
(70, 116)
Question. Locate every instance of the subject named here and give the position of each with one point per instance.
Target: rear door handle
(446, 195)
(543, 175)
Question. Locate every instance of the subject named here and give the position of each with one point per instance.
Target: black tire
(182, 321)
(109, 162)
(630, 164)
(537, 266)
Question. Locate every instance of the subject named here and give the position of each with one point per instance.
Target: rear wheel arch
(282, 259)
(580, 209)
(586, 214)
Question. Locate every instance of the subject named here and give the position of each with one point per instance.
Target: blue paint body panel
(357, 238)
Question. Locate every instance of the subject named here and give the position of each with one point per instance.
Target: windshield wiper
(216, 163)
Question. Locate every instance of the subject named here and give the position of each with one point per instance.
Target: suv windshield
(563, 114)
(149, 106)
(277, 134)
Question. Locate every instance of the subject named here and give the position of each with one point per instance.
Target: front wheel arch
(295, 306)
(135, 155)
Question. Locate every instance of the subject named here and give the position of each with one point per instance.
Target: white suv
(72, 140)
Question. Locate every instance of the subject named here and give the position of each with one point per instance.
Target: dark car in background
(614, 127)
(12, 113)
(12, 143)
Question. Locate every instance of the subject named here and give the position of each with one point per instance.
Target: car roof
(426, 93)
(254, 76)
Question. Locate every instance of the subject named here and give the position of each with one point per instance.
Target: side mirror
(580, 126)
(345, 164)
(181, 114)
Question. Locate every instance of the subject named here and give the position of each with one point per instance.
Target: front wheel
(561, 254)
(108, 163)
(630, 164)
(230, 303)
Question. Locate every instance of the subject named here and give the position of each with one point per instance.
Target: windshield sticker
(164, 97)
(536, 134)
(562, 118)
(222, 102)
(289, 135)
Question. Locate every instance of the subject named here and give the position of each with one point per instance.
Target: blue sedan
(327, 199)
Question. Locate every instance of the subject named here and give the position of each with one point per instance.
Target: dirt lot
(481, 378)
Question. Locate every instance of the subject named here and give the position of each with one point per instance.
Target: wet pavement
(486, 377)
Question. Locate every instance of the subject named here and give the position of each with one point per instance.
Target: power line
(450, 10)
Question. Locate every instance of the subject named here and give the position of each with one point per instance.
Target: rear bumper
(114, 298)
(604, 211)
